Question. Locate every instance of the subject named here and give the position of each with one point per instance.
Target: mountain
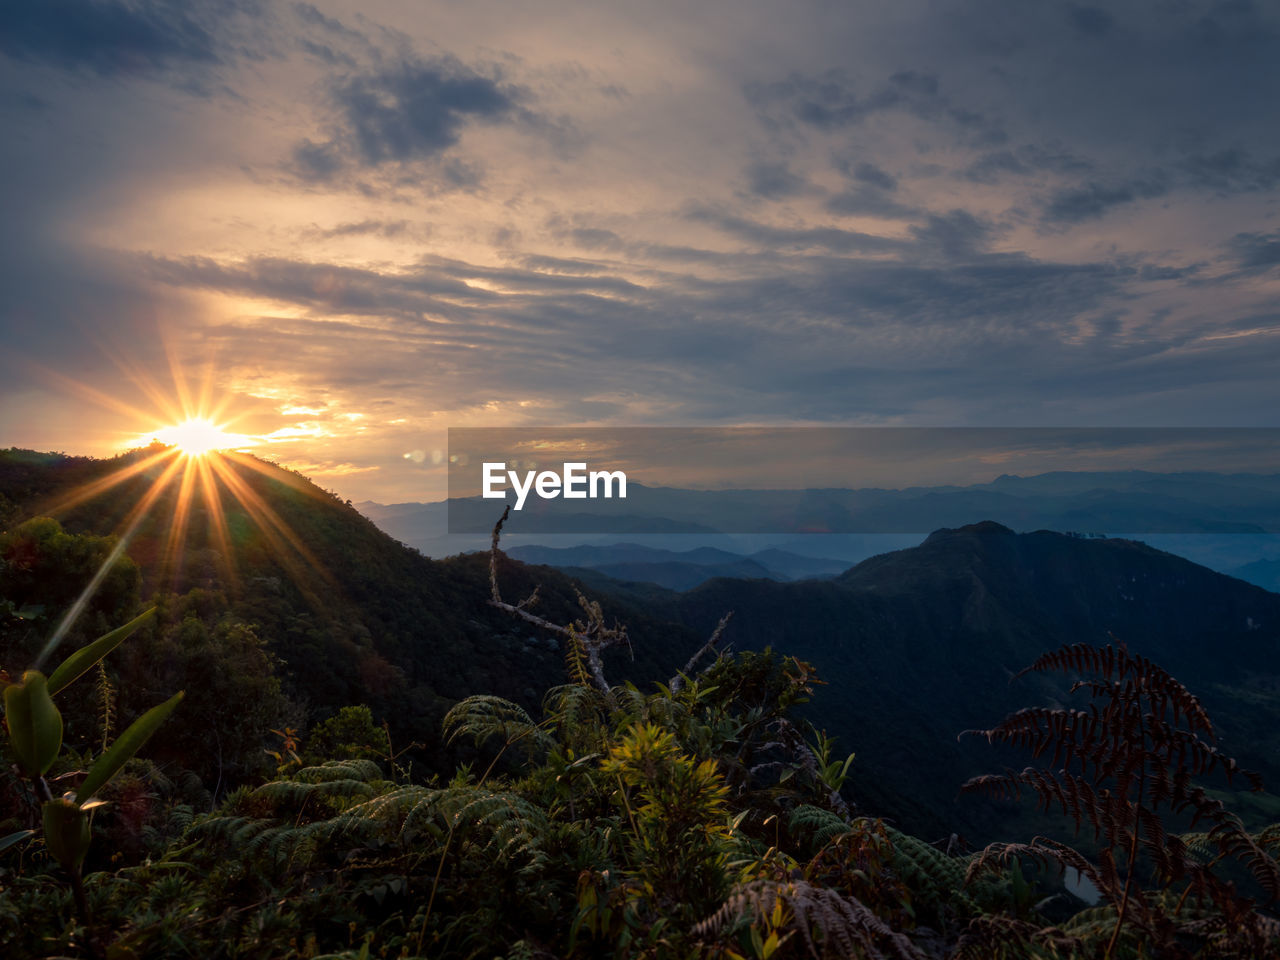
(1264, 573)
(921, 644)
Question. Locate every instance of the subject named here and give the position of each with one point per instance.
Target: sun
(199, 436)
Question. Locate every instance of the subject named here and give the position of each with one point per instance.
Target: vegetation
(698, 817)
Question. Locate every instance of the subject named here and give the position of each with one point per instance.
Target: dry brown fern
(1121, 766)
(831, 926)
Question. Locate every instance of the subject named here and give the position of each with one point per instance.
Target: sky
(352, 226)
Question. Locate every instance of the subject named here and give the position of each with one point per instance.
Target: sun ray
(217, 520)
(170, 565)
(90, 490)
(273, 528)
(130, 526)
(276, 473)
(98, 397)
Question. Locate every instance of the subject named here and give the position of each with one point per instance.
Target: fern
(485, 717)
(819, 825)
(1115, 767)
(999, 937)
(499, 825)
(828, 924)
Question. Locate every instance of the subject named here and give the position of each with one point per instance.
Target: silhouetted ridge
(985, 528)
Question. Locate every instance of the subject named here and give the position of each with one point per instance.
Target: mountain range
(915, 645)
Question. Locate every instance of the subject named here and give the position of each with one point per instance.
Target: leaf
(75, 665)
(66, 832)
(11, 839)
(35, 725)
(126, 745)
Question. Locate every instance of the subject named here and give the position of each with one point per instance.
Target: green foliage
(350, 732)
(43, 569)
(35, 730)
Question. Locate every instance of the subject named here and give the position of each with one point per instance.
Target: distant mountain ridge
(1108, 502)
(678, 570)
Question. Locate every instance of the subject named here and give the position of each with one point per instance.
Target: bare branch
(678, 680)
(594, 635)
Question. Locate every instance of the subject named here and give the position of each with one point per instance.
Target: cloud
(870, 202)
(957, 234)
(872, 175)
(1090, 21)
(416, 110)
(362, 228)
(1254, 251)
(830, 102)
(111, 38)
(869, 194)
(766, 235)
(774, 181)
(405, 119)
(1232, 170)
(1095, 198)
(990, 211)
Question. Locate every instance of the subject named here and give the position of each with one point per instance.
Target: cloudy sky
(364, 223)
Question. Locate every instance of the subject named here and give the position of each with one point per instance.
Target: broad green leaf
(126, 745)
(35, 725)
(11, 839)
(66, 832)
(84, 658)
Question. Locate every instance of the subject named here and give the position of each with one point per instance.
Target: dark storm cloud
(112, 38)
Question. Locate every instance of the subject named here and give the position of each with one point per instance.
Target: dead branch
(594, 635)
(678, 680)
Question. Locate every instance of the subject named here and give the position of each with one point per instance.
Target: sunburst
(194, 445)
(199, 436)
